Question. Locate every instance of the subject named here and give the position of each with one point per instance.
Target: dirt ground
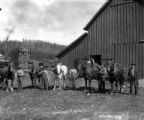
(36, 104)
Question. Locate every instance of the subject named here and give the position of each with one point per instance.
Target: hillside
(39, 50)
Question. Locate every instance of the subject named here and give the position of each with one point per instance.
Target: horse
(61, 72)
(34, 76)
(116, 74)
(89, 72)
(40, 75)
(7, 77)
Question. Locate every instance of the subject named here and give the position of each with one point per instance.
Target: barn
(115, 32)
(76, 50)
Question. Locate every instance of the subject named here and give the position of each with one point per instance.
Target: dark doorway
(97, 58)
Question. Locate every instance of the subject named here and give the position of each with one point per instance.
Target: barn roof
(97, 14)
(79, 39)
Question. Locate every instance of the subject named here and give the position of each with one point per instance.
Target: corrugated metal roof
(97, 14)
(73, 43)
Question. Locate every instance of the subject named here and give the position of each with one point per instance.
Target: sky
(55, 21)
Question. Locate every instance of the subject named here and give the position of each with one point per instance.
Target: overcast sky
(59, 21)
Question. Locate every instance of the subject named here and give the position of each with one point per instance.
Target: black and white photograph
(71, 59)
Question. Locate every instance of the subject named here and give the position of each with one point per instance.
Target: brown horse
(116, 74)
(7, 76)
(34, 76)
(88, 72)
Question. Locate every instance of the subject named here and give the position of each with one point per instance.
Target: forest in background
(40, 50)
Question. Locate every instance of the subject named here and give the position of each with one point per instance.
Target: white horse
(61, 72)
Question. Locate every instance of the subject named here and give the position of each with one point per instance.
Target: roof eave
(97, 14)
(83, 35)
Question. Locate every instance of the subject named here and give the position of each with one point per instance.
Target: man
(20, 75)
(44, 77)
(103, 74)
(133, 78)
(92, 61)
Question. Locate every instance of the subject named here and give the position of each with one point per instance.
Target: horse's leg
(85, 84)
(61, 83)
(111, 83)
(64, 81)
(121, 83)
(54, 88)
(136, 85)
(116, 85)
(103, 83)
(100, 84)
(12, 86)
(6, 84)
(21, 83)
(54, 85)
(34, 83)
(131, 86)
(89, 86)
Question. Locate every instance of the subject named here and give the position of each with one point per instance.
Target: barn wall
(77, 51)
(116, 33)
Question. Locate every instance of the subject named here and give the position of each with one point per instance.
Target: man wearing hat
(20, 74)
(133, 78)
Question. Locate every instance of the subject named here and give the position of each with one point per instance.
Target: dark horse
(88, 72)
(40, 75)
(7, 76)
(34, 76)
(116, 74)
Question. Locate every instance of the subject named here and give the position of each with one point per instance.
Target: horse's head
(10, 67)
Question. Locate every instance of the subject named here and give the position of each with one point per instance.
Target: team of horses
(115, 73)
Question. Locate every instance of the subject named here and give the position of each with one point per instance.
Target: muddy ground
(36, 104)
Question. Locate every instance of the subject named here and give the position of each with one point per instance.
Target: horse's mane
(119, 68)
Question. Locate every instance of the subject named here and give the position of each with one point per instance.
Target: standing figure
(92, 61)
(110, 70)
(44, 76)
(73, 74)
(133, 79)
(102, 77)
(20, 75)
(32, 75)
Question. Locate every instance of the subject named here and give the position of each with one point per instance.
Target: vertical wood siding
(76, 51)
(117, 32)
